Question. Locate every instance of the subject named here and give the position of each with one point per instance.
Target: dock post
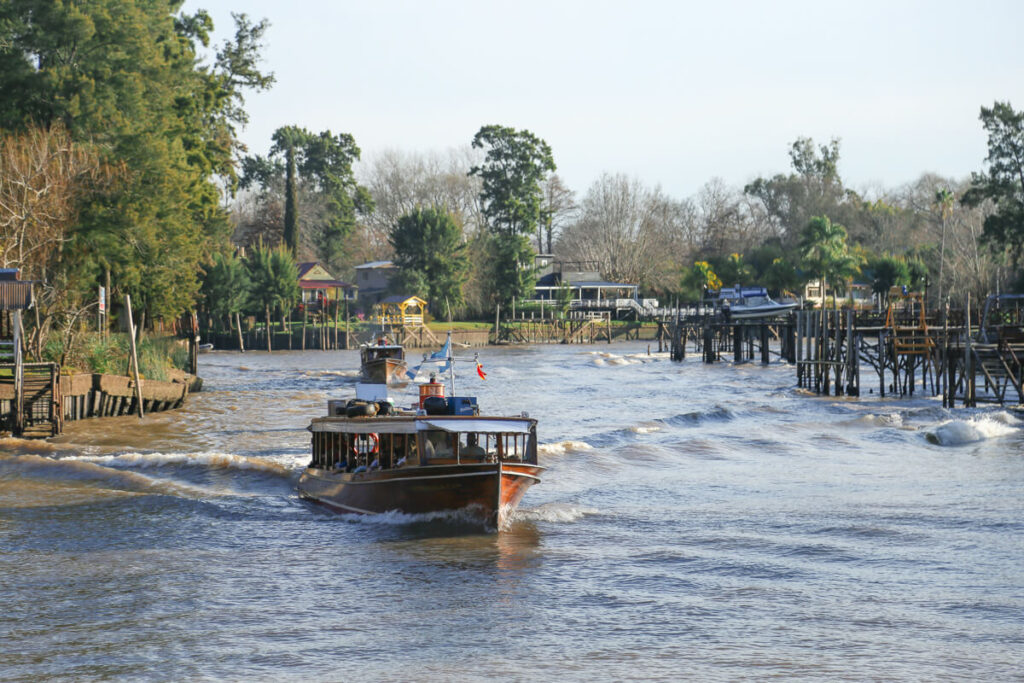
(969, 379)
(798, 348)
(135, 355)
(737, 344)
(764, 344)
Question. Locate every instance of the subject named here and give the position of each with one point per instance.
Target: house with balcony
(318, 286)
(588, 289)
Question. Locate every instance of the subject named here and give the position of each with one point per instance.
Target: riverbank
(51, 403)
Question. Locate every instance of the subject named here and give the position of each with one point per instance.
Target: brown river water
(695, 522)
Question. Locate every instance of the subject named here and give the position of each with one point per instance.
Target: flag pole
(451, 361)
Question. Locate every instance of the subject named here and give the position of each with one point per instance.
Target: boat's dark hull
(488, 491)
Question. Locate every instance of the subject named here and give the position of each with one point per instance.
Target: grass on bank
(158, 356)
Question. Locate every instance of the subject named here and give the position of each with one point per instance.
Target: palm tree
(944, 200)
(275, 280)
(823, 251)
(226, 289)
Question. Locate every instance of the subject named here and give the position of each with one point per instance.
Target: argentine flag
(437, 363)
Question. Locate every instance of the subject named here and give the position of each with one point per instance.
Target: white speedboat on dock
(749, 303)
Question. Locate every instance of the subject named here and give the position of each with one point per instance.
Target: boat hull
(486, 491)
(390, 371)
(752, 312)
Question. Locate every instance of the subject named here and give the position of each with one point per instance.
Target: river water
(698, 522)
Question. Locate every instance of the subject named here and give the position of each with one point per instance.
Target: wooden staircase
(41, 416)
(1001, 366)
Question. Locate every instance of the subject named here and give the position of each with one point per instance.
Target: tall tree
(620, 229)
(226, 287)
(126, 77)
(288, 141)
(944, 200)
(888, 271)
(814, 189)
(319, 186)
(558, 208)
(274, 280)
(401, 182)
(430, 254)
(1003, 184)
(515, 164)
(825, 252)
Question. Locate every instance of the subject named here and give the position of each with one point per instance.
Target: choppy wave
(973, 430)
(563, 447)
(718, 413)
(70, 472)
(468, 515)
(204, 460)
(331, 373)
(618, 360)
(880, 420)
(645, 428)
(554, 512)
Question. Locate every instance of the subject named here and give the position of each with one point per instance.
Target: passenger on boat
(473, 450)
(437, 445)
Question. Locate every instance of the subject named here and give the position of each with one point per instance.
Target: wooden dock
(910, 354)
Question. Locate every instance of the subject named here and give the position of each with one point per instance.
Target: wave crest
(210, 460)
(563, 447)
(973, 430)
(554, 512)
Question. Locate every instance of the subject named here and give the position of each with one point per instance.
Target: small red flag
(480, 371)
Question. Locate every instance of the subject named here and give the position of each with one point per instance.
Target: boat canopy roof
(741, 292)
(479, 425)
(411, 425)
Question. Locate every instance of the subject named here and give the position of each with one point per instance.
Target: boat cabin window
(441, 447)
(349, 452)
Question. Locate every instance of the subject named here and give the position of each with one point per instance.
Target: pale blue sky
(673, 93)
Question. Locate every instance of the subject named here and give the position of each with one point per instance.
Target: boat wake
(562, 447)
(223, 461)
(554, 512)
(469, 516)
(34, 480)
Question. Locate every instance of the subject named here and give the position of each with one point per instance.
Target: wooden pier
(910, 353)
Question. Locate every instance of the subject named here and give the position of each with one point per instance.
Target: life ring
(374, 447)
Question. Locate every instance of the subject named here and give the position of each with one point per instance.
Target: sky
(672, 93)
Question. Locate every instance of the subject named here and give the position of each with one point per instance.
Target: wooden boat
(383, 363)
(439, 456)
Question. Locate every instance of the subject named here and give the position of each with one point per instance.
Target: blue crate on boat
(463, 405)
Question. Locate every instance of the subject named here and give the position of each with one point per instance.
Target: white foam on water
(563, 447)
(973, 430)
(207, 460)
(330, 373)
(872, 420)
(396, 518)
(554, 512)
(645, 429)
